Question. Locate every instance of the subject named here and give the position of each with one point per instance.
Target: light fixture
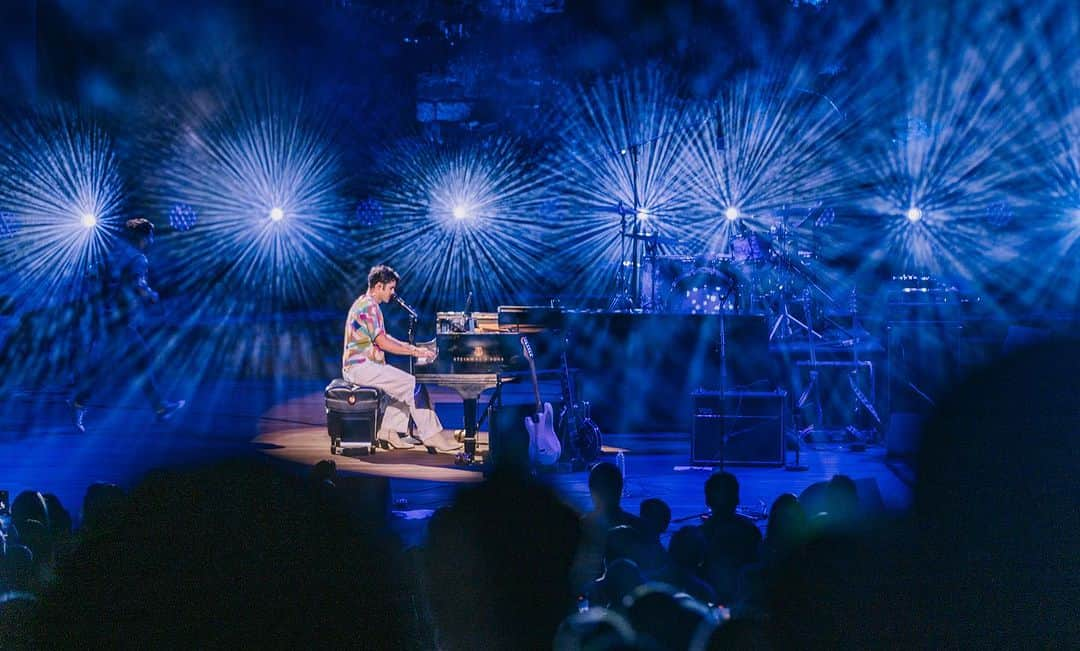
(914, 214)
(89, 220)
(732, 213)
(276, 214)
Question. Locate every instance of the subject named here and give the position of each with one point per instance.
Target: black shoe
(166, 410)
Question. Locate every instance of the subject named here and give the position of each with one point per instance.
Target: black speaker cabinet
(742, 428)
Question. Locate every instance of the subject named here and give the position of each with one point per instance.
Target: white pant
(400, 387)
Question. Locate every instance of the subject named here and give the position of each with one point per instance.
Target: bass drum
(706, 291)
(657, 275)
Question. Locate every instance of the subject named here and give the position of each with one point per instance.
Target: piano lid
(530, 318)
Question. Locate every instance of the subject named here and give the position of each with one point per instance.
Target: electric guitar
(580, 435)
(544, 446)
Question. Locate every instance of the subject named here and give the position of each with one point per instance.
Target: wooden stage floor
(285, 421)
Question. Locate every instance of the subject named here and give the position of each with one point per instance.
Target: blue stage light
(369, 212)
(762, 144)
(7, 225)
(182, 217)
(913, 214)
(463, 217)
(62, 183)
(623, 145)
(262, 176)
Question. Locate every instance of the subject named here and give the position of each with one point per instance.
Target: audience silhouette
(243, 554)
(731, 540)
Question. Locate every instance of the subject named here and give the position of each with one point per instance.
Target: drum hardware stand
(623, 300)
(785, 318)
(652, 246)
(863, 401)
(627, 295)
(811, 392)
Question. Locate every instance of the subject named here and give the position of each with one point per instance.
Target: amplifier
(742, 428)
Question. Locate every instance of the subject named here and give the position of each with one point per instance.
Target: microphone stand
(413, 318)
(412, 341)
(635, 252)
(622, 300)
(723, 391)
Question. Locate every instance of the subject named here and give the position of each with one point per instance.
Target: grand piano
(635, 368)
(479, 351)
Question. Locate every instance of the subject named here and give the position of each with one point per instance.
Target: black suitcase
(353, 416)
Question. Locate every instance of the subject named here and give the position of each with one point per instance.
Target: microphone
(405, 306)
(468, 304)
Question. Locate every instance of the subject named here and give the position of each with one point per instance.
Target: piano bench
(353, 416)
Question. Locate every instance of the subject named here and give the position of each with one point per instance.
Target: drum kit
(752, 274)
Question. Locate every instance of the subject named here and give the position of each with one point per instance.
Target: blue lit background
(501, 156)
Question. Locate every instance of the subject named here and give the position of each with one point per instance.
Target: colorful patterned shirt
(363, 325)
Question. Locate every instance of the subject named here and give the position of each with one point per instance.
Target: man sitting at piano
(364, 363)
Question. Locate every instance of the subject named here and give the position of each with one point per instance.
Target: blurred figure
(605, 488)
(101, 508)
(621, 577)
(238, 555)
(687, 553)
(17, 609)
(59, 519)
(122, 292)
(988, 559)
(654, 516)
(742, 634)
(497, 565)
(662, 619)
(997, 507)
(596, 629)
(786, 529)
(29, 505)
(731, 540)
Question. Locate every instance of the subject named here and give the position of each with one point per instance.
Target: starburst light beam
(462, 218)
(264, 179)
(60, 182)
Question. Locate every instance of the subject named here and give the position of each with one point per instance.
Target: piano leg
(469, 412)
